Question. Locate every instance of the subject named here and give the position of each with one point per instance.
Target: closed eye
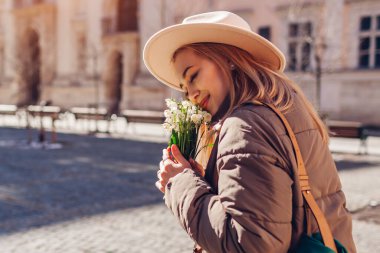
(193, 76)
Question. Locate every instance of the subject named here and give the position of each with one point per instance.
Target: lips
(204, 102)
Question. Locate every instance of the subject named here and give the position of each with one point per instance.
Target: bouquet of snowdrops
(183, 120)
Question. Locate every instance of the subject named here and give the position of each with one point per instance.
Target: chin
(212, 112)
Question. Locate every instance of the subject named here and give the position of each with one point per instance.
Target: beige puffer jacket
(250, 202)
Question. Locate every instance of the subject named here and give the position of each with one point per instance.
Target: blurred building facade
(88, 52)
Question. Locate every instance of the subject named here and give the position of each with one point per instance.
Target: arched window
(26, 3)
(18, 3)
(81, 53)
(29, 68)
(127, 15)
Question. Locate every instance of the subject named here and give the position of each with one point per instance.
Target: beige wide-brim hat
(217, 27)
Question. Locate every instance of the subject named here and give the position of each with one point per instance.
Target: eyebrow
(184, 74)
(185, 71)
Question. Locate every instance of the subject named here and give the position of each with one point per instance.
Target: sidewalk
(97, 195)
(142, 131)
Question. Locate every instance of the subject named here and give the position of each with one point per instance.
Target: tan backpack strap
(323, 226)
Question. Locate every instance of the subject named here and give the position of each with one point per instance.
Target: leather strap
(323, 226)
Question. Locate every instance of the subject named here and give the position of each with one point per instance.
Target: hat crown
(218, 17)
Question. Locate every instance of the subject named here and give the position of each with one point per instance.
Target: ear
(232, 65)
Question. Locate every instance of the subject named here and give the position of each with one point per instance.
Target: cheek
(219, 93)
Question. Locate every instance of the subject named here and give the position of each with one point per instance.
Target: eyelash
(192, 78)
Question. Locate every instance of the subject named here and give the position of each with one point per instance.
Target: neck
(222, 110)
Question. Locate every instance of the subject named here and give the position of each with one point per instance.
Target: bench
(352, 129)
(345, 129)
(51, 112)
(143, 116)
(370, 130)
(41, 112)
(91, 114)
(8, 109)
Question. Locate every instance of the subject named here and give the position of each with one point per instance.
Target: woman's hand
(171, 166)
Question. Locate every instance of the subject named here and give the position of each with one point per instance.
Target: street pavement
(96, 194)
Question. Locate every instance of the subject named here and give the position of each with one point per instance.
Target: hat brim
(159, 49)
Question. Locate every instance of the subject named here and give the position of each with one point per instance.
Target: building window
(365, 24)
(299, 46)
(265, 31)
(18, 4)
(2, 54)
(26, 3)
(369, 42)
(127, 15)
(81, 53)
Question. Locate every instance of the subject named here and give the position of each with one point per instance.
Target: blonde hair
(250, 80)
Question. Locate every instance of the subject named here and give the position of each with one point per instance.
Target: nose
(193, 94)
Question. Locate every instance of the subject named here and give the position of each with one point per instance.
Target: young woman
(248, 200)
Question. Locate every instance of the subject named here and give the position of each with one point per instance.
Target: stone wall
(350, 95)
(353, 96)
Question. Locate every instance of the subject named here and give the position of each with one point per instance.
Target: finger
(162, 165)
(165, 154)
(170, 153)
(177, 155)
(166, 164)
(160, 187)
(164, 175)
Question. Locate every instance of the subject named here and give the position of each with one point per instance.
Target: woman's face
(201, 79)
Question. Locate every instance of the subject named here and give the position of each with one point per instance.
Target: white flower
(196, 118)
(167, 126)
(169, 121)
(175, 111)
(180, 116)
(186, 104)
(171, 104)
(206, 117)
(182, 120)
(167, 113)
(168, 102)
(193, 109)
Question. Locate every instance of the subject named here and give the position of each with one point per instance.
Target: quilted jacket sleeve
(252, 210)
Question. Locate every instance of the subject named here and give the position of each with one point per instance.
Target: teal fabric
(314, 244)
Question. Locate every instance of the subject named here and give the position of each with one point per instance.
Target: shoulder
(261, 117)
(252, 118)
(250, 129)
